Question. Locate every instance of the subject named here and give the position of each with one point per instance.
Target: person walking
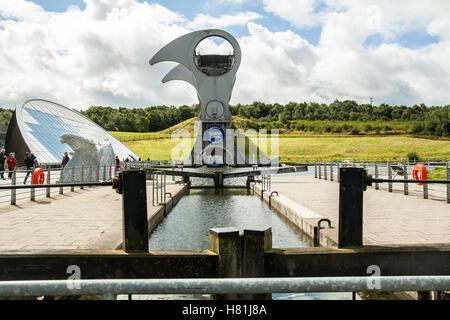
(11, 164)
(33, 157)
(117, 163)
(29, 163)
(3, 158)
(65, 160)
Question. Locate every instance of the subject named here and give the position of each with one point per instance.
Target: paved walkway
(389, 218)
(84, 219)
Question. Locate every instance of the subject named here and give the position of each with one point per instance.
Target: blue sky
(191, 8)
(393, 52)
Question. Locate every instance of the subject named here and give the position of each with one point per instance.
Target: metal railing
(108, 289)
(59, 178)
(266, 179)
(391, 170)
(159, 188)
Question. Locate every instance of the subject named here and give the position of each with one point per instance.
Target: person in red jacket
(11, 165)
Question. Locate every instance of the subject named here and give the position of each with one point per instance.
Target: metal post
(351, 191)
(405, 171)
(338, 172)
(157, 187)
(134, 200)
(227, 244)
(377, 185)
(72, 188)
(61, 175)
(13, 191)
(32, 193)
(163, 191)
(82, 176)
(389, 175)
(315, 169)
(320, 170)
(325, 170)
(254, 245)
(448, 185)
(331, 172)
(48, 182)
(425, 185)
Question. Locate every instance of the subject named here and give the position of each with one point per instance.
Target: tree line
(337, 117)
(150, 119)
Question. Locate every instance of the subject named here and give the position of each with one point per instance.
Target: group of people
(10, 162)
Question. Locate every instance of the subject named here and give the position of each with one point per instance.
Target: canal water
(187, 228)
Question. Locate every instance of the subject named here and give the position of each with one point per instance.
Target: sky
(95, 52)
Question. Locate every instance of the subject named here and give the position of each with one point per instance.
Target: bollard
(13, 191)
(227, 244)
(405, 186)
(254, 245)
(315, 170)
(331, 173)
(134, 208)
(325, 171)
(351, 189)
(316, 236)
(270, 197)
(48, 182)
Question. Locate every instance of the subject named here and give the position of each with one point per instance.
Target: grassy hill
(299, 146)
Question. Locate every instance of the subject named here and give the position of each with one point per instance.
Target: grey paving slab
(85, 219)
(389, 218)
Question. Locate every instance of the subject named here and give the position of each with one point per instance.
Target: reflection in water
(187, 226)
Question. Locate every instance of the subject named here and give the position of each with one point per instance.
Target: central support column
(218, 180)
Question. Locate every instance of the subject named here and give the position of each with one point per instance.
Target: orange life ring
(38, 176)
(420, 173)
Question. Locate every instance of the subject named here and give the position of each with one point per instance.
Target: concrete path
(389, 218)
(84, 219)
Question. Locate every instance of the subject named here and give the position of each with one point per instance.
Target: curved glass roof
(43, 122)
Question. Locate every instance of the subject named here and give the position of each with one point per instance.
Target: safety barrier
(52, 179)
(392, 170)
(109, 289)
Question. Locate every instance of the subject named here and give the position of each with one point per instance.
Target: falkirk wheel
(213, 76)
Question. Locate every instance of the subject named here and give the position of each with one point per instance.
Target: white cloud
(204, 21)
(100, 55)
